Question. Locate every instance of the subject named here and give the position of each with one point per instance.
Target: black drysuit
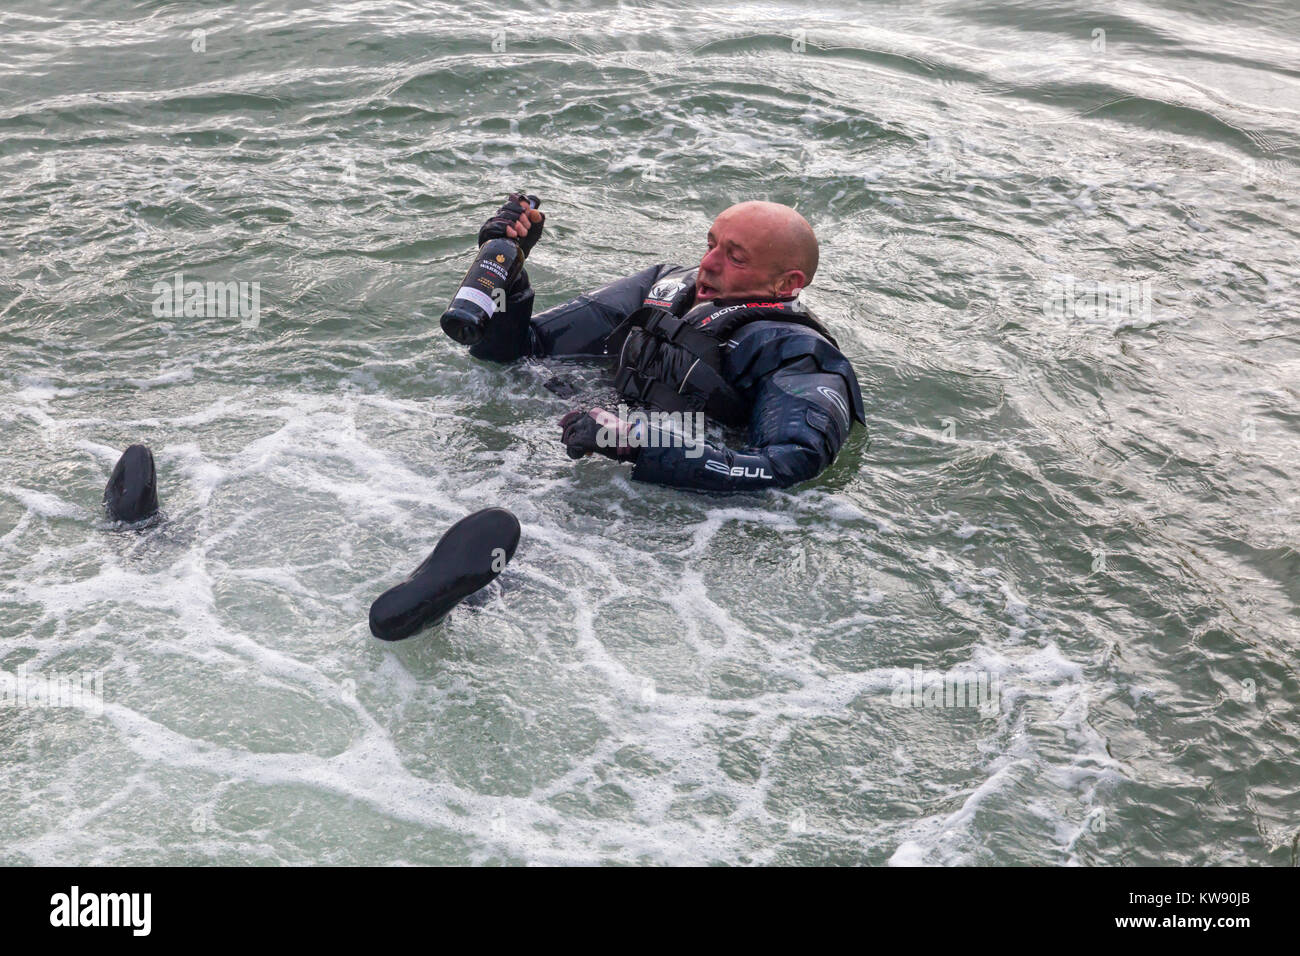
(802, 392)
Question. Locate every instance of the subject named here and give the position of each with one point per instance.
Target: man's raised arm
(579, 327)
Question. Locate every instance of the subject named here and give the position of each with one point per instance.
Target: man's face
(739, 261)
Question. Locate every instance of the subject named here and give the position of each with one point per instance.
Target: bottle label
(497, 266)
(483, 301)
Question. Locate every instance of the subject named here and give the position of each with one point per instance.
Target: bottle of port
(483, 290)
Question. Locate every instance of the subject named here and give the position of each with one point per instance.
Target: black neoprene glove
(581, 437)
(508, 215)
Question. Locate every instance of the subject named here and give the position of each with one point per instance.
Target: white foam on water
(185, 374)
(44, 504)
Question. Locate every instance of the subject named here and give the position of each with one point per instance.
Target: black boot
(132, 491)
(470, 555)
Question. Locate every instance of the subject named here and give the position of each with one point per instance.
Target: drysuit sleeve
(801, 418)
(579, 327)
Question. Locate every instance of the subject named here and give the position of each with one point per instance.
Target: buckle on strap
(632, 384)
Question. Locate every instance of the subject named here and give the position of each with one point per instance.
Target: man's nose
(710, 260)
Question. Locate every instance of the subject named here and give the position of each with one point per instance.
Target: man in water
(727, 338)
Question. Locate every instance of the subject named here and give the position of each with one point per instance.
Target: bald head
(758, 248)
(780, 233)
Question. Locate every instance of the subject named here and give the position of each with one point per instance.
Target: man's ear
(790, 283)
